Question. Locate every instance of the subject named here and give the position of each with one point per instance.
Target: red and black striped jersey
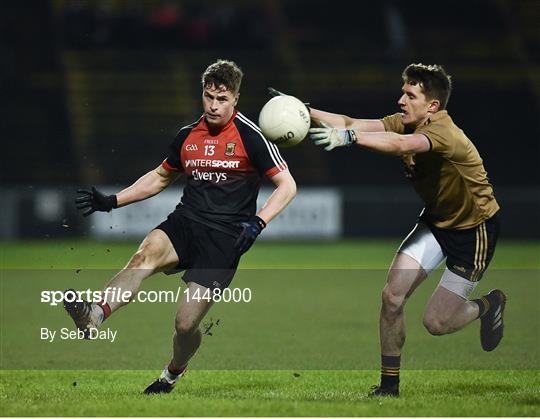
(224, 171)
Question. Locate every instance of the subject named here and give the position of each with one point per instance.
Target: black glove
(251, 229)
(273, 92)
(94, 200)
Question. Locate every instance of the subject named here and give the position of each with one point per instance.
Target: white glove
(332, 137)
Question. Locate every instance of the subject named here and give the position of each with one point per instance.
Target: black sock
(483, 305)
(390, 370)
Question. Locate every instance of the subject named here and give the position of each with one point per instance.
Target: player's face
(415, 108)
(218, 104)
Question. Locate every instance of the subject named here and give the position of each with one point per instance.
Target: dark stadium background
(93, 91)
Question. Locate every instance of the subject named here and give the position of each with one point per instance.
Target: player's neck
(413, 126)
(216, 129)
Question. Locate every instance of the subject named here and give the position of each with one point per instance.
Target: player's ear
(236, 98)
(434, 105)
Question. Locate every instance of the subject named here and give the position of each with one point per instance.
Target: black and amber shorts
(468, 252)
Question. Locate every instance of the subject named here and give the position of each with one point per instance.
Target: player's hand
(92, 200)
(332, 137)
(250, 232)
(273, 92)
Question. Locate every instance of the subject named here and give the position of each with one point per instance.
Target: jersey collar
(436, 116)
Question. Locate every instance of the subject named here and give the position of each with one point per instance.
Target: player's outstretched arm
(345, 122)
(146, 186)
(92, 200)
(281, 197)
(337, 120)
(393, 143)
(382, 142)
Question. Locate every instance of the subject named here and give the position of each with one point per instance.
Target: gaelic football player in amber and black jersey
(459, 222)
(223, 156)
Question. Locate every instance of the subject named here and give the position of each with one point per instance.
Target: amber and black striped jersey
(224, 171)
(450, 178)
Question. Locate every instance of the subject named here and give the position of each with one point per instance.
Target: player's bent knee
(391, 301)
(148, 256)
(435, 326)
(185, 327)
(141, 260)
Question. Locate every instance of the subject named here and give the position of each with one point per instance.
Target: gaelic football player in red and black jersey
(224, 157)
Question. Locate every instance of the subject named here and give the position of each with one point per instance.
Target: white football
(284, 120)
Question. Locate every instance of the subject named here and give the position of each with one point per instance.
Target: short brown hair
(223, 72)
(433, 80)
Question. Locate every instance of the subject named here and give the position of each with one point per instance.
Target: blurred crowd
(83, 73)
(164, 24)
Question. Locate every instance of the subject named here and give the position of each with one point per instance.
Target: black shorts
(207, 255)
(468, 252)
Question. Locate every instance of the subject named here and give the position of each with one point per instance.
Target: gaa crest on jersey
(230, 149)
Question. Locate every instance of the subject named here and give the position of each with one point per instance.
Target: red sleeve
(168, 167)
(275, 170)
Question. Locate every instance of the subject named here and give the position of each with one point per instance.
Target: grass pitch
(269, 393)
(306, 346)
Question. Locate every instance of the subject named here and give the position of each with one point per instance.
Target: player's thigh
(418, 255)
(422, 246)
(157, 251)
(196, 302)
(404, 276)
(444, 305)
